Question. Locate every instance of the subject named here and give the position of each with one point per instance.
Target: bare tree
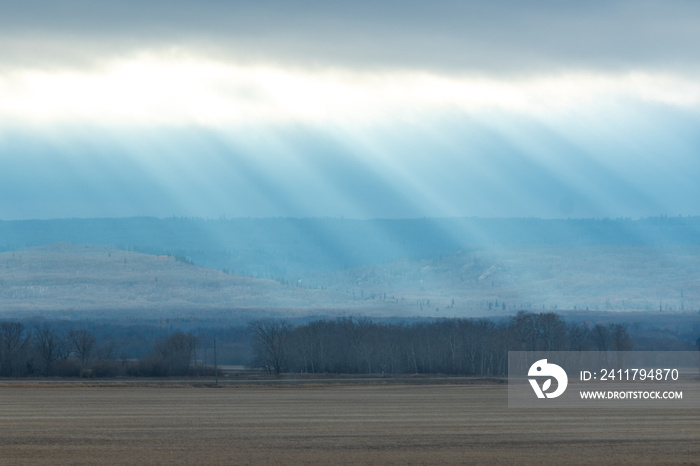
(82, 344)
(601, 337)
(619, 338)
(106, 351)
(269, 344)
(553, 332)
(578, 336)
(175, 353)
(14, 349)
(49, 346)
(525, 329)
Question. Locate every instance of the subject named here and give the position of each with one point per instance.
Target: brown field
(325, 424)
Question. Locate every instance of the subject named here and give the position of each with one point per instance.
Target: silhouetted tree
(174, 355)
(619, 338)
(578, 336)
(82, 344)
(50, 348)
(14, 349)
(270, 340)
(601, 337)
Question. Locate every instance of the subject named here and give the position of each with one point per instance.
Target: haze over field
(355, 109)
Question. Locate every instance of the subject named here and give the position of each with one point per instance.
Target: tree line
(477, 347)
(452, 346)
(43, 351)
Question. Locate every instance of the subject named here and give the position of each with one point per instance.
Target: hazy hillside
(537, 277)
(64, 279)
(418, 267)
(70, 280)
(289, 248)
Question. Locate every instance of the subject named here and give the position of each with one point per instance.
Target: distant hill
(539, 278)
(67, 280)
(417, 267)
(293, 248)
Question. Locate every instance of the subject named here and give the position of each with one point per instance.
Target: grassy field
(325, 424)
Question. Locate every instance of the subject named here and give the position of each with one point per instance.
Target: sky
(357, 109)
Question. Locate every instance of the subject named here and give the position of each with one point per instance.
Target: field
(325, 424)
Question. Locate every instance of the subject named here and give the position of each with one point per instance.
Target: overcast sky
(356, 109)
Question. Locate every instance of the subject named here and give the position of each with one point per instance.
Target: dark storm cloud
(499, 36)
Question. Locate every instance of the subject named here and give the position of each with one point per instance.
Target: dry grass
(333, 424)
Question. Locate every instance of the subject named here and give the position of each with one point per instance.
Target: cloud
(215, 62)
(177, 88)
(450, 36)
(365, 109)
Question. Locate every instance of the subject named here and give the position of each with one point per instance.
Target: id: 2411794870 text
(625, 375)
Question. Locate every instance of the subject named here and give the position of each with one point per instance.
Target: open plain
(325, 424)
